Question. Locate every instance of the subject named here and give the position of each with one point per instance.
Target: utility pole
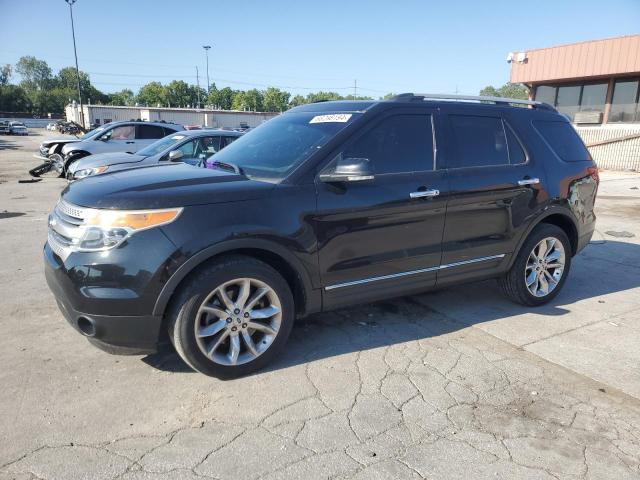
(355, 89)
(206, 54)
(75, 53)
(198, 83)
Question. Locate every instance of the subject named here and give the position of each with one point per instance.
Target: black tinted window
(478, 141)
(516, 152)
(150, 131)
(563, 139)
(402, 143)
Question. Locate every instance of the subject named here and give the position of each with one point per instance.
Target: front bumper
(105, 305)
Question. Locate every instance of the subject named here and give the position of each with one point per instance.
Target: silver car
(128, 136)
(194, 147)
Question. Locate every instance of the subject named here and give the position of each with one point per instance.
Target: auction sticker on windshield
(333, 118)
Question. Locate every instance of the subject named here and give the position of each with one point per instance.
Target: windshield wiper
(228, 166)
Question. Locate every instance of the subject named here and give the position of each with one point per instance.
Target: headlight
(85, 172)
(106, 229)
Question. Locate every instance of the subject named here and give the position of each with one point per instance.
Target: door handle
(425, 193)
(131, 142)
(528, 181)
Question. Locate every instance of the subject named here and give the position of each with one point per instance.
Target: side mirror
(175, 155)
(348, 170)
(106, 136)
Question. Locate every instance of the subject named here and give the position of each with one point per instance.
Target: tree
(5, 74)
(321, 96)
(249, 100)
(14, 99)
(124, 97)
(222, 98)
(275, 100)
(297, 101)
(179, 94)
(36, 74)
(152, 94)
(508, 90)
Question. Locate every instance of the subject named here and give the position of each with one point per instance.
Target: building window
(546, 94)
(571, 99)
(593, 97)
(624, 105)
(568, 101)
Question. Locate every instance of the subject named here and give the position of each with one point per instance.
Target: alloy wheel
(238, 321)
(545, 267)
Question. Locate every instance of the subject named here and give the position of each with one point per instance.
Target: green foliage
(41, 92)
(250, 100)
(275, 100)
(14, 99)
(222, 98)
(508, 90)
(123, 97)
(5, 74)
(152, 94)
(36, 74)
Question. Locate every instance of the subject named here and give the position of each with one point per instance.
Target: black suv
(327, 205)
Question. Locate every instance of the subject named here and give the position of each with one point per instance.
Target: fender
(74, 157)
(312, 296)
(553, 209)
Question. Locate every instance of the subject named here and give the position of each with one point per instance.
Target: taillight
(593, 171)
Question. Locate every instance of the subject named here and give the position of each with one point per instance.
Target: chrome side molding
(413, 272)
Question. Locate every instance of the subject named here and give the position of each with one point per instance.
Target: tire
(204, 290)
(514, 283)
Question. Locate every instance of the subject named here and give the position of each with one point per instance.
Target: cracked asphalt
(458, 383)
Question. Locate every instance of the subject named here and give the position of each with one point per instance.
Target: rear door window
(146, 132)
(563, 140)
(478, 141)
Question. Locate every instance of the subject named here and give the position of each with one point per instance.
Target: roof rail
(403, 97)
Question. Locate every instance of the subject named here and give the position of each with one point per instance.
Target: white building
(102, 114)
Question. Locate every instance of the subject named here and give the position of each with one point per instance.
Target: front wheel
(541, 267)
(232, 318)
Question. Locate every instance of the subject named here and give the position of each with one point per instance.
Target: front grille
(65, 228)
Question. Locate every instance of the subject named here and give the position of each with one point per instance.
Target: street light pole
(75, 53)
(206, 54)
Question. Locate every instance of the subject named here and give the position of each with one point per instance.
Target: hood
(58, 141)
(101, 159)
(163, 186)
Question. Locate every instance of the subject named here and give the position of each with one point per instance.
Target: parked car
(18, 128)
(4, 128)
(327, 205)
(194, 147)
(127, 136)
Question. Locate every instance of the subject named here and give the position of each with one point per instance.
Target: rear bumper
(128, 334)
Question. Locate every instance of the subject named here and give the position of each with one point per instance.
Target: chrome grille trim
(66, 225)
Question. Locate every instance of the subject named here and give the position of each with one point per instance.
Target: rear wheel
(541, 267)
(232, 318)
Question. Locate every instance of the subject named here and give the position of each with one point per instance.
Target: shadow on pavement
(428, 315)
(7, 144)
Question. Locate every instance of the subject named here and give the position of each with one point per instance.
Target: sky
(301, 46)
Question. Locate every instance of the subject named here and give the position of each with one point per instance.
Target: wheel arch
(306, 298)
(74, 157)
(559, 217)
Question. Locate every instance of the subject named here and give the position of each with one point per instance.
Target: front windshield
(92, 133)
(161, 145)
(277, 147)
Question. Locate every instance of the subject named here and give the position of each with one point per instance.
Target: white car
(18, 128)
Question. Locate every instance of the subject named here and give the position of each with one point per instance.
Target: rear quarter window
(563, 140)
